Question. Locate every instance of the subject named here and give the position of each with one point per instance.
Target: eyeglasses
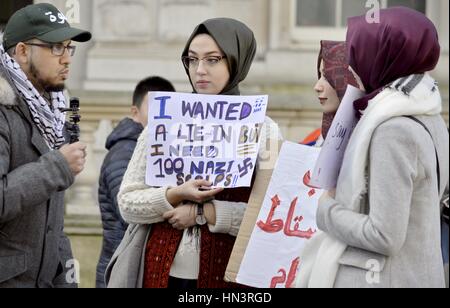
(57, 49)
(193, 62)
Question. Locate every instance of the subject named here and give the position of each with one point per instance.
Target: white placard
(287, 220)
(212, 137)
(326, 171)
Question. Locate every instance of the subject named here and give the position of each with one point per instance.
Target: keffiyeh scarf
(47, 116)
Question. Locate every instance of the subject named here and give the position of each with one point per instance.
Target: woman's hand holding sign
(198, 191)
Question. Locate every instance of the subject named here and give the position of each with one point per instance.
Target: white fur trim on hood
(7, 94)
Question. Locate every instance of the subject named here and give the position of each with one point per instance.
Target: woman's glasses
(194, 62)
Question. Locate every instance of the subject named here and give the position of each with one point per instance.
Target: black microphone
(75, 118)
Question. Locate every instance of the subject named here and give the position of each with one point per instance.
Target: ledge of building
(284, 98)
(83, 225)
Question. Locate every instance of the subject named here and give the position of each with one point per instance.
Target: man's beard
(45, 85)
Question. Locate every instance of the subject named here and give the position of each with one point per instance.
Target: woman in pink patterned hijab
(334, 77)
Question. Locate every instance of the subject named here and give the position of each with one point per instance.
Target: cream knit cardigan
(141, 204)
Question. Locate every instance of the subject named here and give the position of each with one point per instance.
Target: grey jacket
(395, 242)
(126, 268)
(34, 252)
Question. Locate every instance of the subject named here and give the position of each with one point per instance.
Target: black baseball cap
(42, 21)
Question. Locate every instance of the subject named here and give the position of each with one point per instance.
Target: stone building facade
(134, 39)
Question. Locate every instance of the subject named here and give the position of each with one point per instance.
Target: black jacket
(121, 144)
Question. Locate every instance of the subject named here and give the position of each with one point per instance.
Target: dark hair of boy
(150, 84)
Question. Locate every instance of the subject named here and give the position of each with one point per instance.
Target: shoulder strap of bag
(435, 149)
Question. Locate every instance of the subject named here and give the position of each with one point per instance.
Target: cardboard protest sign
(328, 166)
(284, 224)
(193, 136)
(255, 202)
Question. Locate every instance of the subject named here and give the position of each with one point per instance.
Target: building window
(334, 13)
(313, 17)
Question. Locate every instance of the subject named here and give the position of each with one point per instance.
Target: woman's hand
(183, 217)
(197, 191)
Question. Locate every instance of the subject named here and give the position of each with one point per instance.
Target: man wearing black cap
(35, 165)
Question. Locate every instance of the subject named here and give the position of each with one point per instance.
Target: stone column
(83, 194)
(105, 127)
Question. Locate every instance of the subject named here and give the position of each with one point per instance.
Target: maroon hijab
(336, 72)
(405, 42)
